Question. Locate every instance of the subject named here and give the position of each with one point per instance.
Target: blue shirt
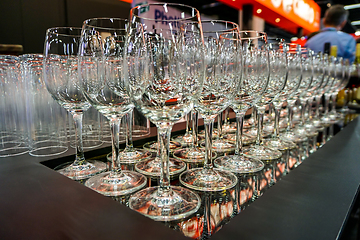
(345, 43)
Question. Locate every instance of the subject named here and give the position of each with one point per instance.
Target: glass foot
(262, 153)
(130, 157)
(153, 146)
(123, 183)
(293, 137)
(185, 140)
(239, 164)
(279, 144)
(208, 179)
(192, 155)
(221, 146)
(83, 171)
(160, 205)
(246, 139)
(152, 167)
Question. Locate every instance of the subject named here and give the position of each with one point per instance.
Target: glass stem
(333, 102)
(164, 133)
(194, 124)
(226, 119)
(128, 135)
(317, 106)
(80, 157)
(209, 125)
(277, 110)
(290, 117)
(219, 126)
(303, 108)
(260, 122)
(115, 132)
(239, 132)
(310, 104)
(326, 104)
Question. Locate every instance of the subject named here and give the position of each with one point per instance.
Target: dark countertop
(312, 202)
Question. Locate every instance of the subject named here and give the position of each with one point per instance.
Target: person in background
(334, 20)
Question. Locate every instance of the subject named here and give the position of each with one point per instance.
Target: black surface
(312, 202)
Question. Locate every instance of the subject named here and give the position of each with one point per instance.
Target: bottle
(333, 51)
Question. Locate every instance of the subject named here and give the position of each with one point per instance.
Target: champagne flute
(62, 81)
(164, 75)
(100, 67)
(219, 89)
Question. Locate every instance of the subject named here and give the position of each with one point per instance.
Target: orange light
(277, 20)
(258, 11)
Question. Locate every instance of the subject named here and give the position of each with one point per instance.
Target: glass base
(131, 157)
(239, 164)
(208, 179)
(293, 137)
(253, 132)
(185, 140)
(123, 183)
(152, 167)
(229, 128)
(246, 139)
(307, 130)
(83, 171)
(279, 144)
(158, 205)
(262, 153)
(192, 155)
(153, 146)
(221, 146)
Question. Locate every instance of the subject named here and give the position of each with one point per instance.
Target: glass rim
(104, 18)
(162, 4)
(53, 30)
(262, 34)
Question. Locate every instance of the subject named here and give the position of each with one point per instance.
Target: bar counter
(312, 202)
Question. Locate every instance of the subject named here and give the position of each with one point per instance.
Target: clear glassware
(306, 98)
(251, 61)
(304, 72)
(195, 153)
(165, 73)
(13, 137)
(62, 81)
(289, 61)
(339, 85)
(219, 89)
(100, 67)
(276, 80)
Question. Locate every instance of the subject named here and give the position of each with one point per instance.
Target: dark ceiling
(224, 12)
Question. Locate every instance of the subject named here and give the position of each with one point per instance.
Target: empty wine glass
(218, 91)
(100, 66)
(62, 81)
(245, 93)
(272, 74)
(164, 75)
(304, 71)
(194, 153)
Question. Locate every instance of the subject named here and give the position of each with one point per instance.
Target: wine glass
(194, 153)
(305, 72)
(219, 89)
(244, 57)
(272, 74)
(100, 67)
(62, 81)
(289, 57)
(163, 76)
